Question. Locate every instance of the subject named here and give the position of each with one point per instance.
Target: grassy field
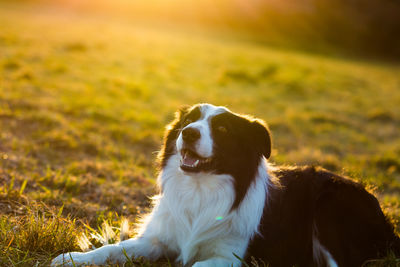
(84, 100)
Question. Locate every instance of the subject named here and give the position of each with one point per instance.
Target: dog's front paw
(69, 259)
(216, 262)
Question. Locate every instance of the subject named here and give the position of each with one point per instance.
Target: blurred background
(369, 28)
(88, 86)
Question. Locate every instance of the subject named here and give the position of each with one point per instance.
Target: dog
(222, 203)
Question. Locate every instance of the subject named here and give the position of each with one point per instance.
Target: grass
(84, 100)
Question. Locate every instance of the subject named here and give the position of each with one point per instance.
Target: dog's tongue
(188, 158)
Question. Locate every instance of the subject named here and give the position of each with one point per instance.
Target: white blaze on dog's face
(195, 142)
(209, 139)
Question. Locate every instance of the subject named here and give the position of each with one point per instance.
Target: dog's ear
(171, 133)
(261, 137)
(184, 109)
(179, 114)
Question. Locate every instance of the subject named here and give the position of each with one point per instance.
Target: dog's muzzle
(190, 160)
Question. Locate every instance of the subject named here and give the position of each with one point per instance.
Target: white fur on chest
(192, 220)
(195, 212)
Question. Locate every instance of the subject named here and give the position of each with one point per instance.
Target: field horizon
(85, 98)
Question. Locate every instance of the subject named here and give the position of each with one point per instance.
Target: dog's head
(210, 139)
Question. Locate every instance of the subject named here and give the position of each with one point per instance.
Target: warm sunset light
(199, 132)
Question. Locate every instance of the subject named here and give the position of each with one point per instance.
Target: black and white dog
(220, 200)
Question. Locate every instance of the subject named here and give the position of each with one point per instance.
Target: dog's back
(317, 218)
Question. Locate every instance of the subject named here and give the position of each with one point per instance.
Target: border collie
(220, 201)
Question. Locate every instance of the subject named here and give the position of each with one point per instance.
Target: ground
(84, 100)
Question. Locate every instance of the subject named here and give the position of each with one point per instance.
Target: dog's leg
(151, 244)
(148, 248)
(225, 253)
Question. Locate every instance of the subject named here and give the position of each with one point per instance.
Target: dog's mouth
(192, 162)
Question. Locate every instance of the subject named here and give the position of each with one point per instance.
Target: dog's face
(196, 140)
(210, 139)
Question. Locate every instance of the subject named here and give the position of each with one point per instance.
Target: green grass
(84, 100)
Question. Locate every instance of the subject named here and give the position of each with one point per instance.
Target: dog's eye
(222, 129)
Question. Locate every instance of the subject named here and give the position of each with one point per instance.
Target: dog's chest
(196, 211)
(199, 203)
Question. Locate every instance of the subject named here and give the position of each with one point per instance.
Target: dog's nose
(190, 135)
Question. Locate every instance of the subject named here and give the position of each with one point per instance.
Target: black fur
(238, 151)
(182, 116)
(346, 219)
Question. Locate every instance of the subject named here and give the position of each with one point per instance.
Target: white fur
(204, 146)
(191, 218)
(184, 222)
(320, 253)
